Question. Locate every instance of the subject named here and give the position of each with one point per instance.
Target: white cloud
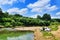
(3, 2)
(10, 2)
(35, 15)
(39, 3)
(36, 10)
(56, 17)
(42, 6)
(58, 13)
(52, 8)
(17, 10)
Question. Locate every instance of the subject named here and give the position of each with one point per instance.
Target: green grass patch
(45, 33)
(53, 27)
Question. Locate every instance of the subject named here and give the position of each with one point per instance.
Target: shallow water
(28, 36)
(16, 35)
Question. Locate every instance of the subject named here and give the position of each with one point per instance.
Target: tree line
(8, 20)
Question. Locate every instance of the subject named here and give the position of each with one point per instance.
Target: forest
(9, 20)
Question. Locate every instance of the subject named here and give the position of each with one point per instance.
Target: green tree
(6, 14)
(38, 16)
(13, 23)
(46, 17)
(1, 13)
(18, 15)
(7, 24)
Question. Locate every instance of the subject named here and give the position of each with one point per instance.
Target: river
(5, 35)
(28, 36)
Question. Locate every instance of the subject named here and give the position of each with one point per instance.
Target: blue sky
(31, 8)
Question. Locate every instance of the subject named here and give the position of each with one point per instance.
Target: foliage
(9, 20)
(54, 26)
(17, 15)
(38, 17)
(54, 23)
(58, 20)
(7, 24)
(46, 17)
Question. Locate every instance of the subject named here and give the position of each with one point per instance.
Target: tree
(13, 23)
(17, 15)
(38, 16)
(6, 14)
(1, 13)
(46, 17)
(7, 24)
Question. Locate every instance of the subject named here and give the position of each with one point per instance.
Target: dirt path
(38, 35)
(28, 28)
(56, 33)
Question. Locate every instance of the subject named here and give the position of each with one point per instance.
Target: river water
(28, 36)
(6, 36)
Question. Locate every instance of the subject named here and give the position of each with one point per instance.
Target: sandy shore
(28, 28)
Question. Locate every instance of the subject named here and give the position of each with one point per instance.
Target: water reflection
(24, 37)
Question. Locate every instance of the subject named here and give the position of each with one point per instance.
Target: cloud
(39, 3)
(56, 17)
(42, 6)
(17, 11)
(3, 2)
(34, 16)
(52, 8)
(39, 10)
(58, 13)
(10, 2)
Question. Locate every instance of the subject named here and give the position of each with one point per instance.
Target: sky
(31, 8)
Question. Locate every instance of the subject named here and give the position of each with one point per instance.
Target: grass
(45, 33)
(53, 27)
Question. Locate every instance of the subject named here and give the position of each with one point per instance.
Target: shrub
(53, 27)
(19, 24)
(7, 24)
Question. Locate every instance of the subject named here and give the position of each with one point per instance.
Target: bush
(6, 19)
(54, 23)
(53, 27)
(44, 23)
(47, 23)
(19, 24)
(7, 24)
